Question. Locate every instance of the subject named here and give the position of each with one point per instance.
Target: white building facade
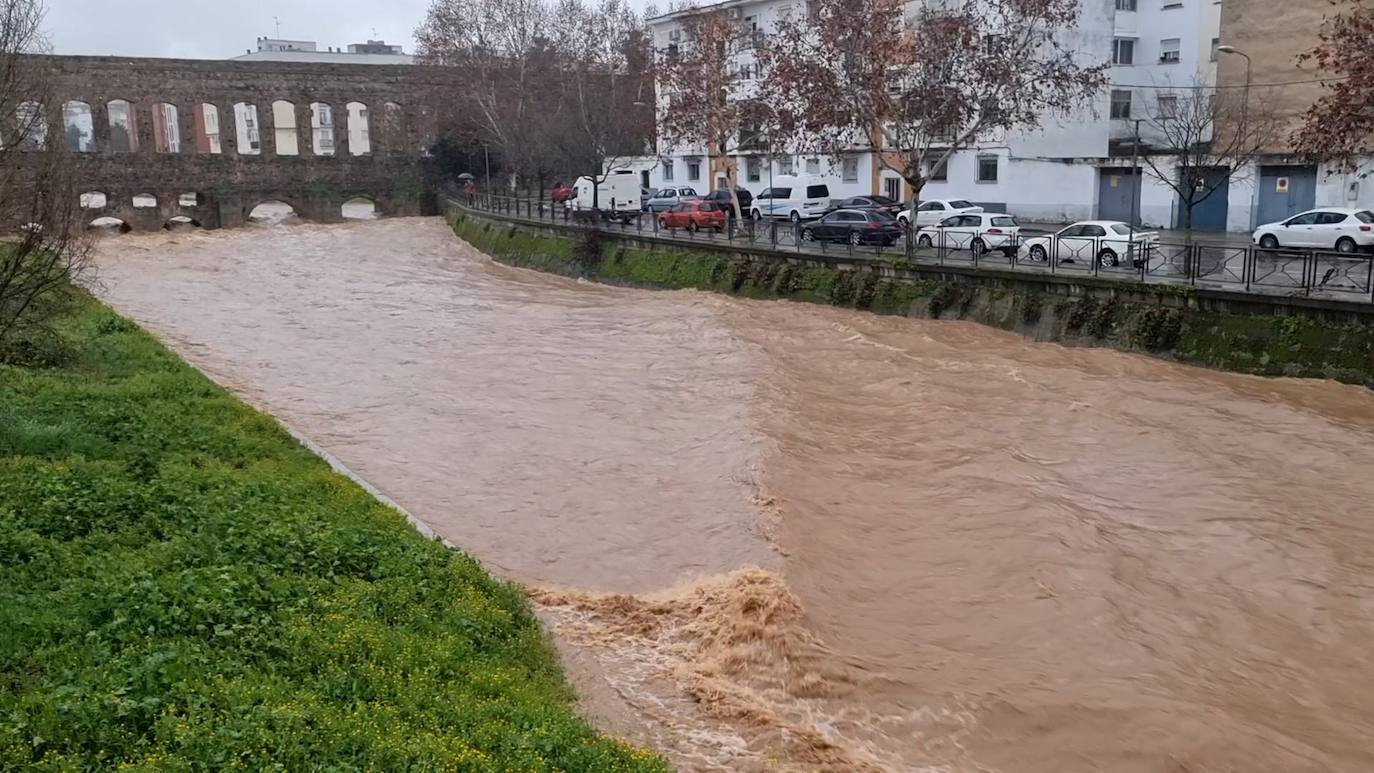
(1071, 168)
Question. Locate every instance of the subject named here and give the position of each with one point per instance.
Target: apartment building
(1161, 53)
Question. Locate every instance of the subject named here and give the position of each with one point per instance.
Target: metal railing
(1249, 269)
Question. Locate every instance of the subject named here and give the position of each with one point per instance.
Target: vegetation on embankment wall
(183, 586)
(1150, 320)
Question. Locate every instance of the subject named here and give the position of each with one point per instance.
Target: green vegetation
(1160, 319)
(184, 587)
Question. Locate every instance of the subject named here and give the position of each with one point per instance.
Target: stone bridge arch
(206, 158)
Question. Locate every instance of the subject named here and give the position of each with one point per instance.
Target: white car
(935, 210)
(978, 232)
(1328, 228)
(1105, 241)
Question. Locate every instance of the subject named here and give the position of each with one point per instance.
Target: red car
(562, 192)
(693, 215)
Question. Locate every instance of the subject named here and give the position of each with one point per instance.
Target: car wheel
(855, 238)
(807, 236)
(1269, 242)
(923, 241)
(756, 215)
(978, 247)
(1038, 253)
(650, 210)
(796, 216)
(1106, 259)
(662, 224)
(1346, 245)
(692, 226)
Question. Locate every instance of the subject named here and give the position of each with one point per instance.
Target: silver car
(663, 199)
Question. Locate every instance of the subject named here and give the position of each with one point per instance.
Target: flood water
(774, 536)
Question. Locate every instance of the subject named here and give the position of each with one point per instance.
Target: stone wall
(228, 184)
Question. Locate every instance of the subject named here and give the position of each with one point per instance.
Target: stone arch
(31, 124)
(177, 221)
(322, 128)
(272, 213)
(205, 117)
(285, 136)
(166, 128)
(247, 129)
(78, 124)
(393, 127)
(123, 125)
(359, 134)
(109, 221)
(360, 206)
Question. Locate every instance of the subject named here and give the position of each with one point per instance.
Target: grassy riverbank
(1158, 319)
(183, 586)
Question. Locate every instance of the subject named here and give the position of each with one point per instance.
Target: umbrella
(465, 176)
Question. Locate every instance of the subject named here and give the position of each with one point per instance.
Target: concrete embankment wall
(1274, 336)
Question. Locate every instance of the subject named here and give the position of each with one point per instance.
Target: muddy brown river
(774, 536)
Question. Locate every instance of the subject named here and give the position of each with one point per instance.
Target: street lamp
(1245, 95)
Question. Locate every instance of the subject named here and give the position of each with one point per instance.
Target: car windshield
(961, 204)
(1005, 222)
(1364, 216)
(1121, 228)
(883, 200)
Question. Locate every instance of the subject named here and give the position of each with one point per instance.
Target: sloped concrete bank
(1265, 335)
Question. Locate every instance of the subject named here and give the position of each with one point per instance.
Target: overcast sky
(218, 29)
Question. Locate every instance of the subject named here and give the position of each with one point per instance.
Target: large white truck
(616, 198)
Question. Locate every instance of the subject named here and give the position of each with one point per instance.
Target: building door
(644, 178)
(1209, 214)
(1285, 191)
(1118, 190)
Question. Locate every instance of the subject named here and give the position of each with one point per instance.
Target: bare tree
(1201, 138)
(1337, 127)
(47, 247)
(508, 69)
(862, 74)
(607, 79)
(703, 98)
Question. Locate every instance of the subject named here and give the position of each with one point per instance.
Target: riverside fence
(1249, 269)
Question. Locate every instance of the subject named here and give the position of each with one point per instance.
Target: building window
(1121, 103)
(786, 165)
(1168, 107)
(892, 188)
(938, 172)
(813, 166)
(668, 170)
(1123, 51)
(850, 169)
(1125, 5)
(1215, 43)
(693, 171)
(1168, 50)
(751, 167)
(987, 169)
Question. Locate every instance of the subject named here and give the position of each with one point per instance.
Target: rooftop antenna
(278, 23)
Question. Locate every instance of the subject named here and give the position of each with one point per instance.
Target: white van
(617, 196)
(794, 198)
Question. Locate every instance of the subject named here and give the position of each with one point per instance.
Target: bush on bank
(1269, 345)
(183, 586)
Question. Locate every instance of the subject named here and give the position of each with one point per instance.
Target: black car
(872, 204)
(855, 226)
(722, 197)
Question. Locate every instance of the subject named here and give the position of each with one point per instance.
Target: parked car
(562, 192)
(794, 198)
(855, 226)
(978, 233)
(722, 197)
(693, 215)
(1103, 240)
(873, 204)
(664, 198)
(933, 211)
(644, 195)
(1329, 228)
